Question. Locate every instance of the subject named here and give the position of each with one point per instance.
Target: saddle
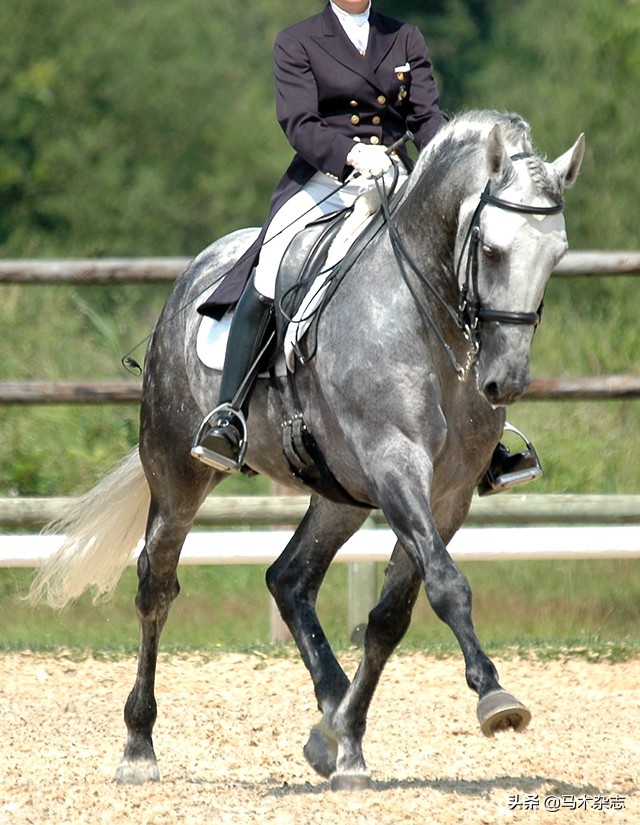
(309, 276)
(304, 268)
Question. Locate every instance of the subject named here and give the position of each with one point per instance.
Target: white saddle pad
(211, 343)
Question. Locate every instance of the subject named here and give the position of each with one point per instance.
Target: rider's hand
(368, 160)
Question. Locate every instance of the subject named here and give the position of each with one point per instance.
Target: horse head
(508, 245)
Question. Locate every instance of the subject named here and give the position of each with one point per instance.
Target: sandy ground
(231, 728)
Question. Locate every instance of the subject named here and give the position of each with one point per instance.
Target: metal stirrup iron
(221, 462)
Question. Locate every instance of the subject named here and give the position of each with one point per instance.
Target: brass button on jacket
(355, 120)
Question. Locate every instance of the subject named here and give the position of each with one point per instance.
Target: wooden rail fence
(611, 521)
(287, 511)
(162, 270)
(577, 263)
(588, 388)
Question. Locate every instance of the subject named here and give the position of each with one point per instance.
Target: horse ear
(499, 164)
(567, 166)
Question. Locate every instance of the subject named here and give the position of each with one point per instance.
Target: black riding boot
(223, 445)
(509, 469)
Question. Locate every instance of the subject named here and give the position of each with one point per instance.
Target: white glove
(369, 160)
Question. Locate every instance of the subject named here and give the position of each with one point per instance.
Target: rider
(349, 82)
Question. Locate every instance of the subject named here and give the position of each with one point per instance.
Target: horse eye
(490, 252)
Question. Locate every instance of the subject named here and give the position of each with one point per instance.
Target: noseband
(470, 312)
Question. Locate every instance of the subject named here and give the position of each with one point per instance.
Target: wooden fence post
(363, 596)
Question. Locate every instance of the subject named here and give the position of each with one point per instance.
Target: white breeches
(305, 206)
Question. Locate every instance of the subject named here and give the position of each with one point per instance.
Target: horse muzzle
(503, 370)
(501, 394)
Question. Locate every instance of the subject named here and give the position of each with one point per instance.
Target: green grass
(589, 607)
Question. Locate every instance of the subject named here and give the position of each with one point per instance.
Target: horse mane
(468, 129)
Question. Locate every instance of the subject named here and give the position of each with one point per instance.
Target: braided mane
(470, 128)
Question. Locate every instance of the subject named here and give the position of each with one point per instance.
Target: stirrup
(221, 462)
(521, 468)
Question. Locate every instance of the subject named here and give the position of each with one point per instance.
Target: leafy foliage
(129, 128)
(575, 68)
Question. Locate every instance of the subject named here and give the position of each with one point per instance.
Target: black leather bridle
(470, 308)
(470, 313)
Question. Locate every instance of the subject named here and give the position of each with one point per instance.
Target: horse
(424, 343)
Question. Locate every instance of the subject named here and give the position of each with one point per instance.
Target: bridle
(469, 314)
(469, 306)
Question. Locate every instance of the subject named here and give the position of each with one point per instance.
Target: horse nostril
(491, 391)
(500, 395)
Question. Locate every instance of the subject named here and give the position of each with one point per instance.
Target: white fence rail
(566, 527)
(373, 545)
(503, 527)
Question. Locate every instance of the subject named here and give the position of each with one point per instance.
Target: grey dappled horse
(425, 341)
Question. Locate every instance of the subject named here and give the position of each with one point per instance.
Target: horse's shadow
(463, 787)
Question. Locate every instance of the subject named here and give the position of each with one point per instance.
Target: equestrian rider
(349, 82)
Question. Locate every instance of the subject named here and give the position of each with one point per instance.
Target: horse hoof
(351, 782)
(499, 711)
(137, 773)
(321, 750)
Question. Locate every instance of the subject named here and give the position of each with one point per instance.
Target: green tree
(142, 128)
(568, 69)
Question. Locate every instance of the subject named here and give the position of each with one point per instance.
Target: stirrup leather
(221, 462)
(525, 467)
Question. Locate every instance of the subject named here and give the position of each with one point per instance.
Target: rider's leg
(220, 446)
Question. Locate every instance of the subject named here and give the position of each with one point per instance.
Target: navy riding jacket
(329, 95)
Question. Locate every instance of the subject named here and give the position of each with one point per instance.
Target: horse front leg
(423, 560)
(294, 580)
(387, 624)
(449, 595)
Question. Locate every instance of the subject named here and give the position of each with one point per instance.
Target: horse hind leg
(157, 588)
(167, 527)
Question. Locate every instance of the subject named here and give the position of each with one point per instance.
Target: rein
(470, 313)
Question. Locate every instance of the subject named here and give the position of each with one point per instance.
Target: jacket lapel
(381, 39)
(335, 43)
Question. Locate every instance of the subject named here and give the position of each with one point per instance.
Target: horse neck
(428, 222)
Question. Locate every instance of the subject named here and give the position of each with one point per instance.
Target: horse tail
(100, 532)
